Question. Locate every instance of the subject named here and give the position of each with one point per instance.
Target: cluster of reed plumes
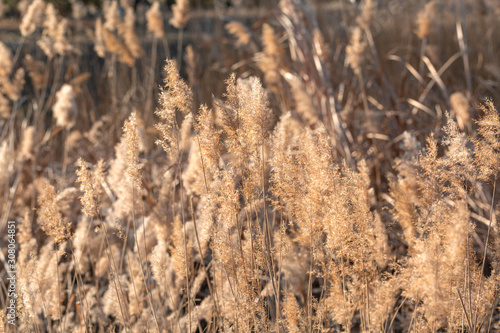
(325, 186)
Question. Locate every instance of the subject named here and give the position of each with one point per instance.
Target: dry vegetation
(297, 170)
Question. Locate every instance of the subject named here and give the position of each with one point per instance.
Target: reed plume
(50, 220)
(425, 20)
(5, 62)
(99, 43)
(155, 20)
(90, 185)
(239, 31)
(181, 14)
(270, 60)
(131, 137)
(31, 17)
(460, 105)
(355, 50)
(65, 108)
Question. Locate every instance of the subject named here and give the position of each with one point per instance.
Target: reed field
(249, 166)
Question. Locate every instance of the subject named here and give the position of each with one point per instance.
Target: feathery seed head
(181, 14)
(90, 185)
(355, 50)
(180, 95)
(50, 220)
(155, 20)
(425, 19)
(460, 105)
(238, 30)
(65, 109)
(5, 61)
(131, 136)
(31, 17)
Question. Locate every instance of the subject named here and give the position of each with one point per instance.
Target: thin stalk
(462, 42)
(367, 297)
(343, 287)
(465, 310)
(469, 284)
(55, 85)
(41, 101)
(179, 169)
(491, 313)
(278, 324)
(148, 272)
(122, 254)
(140, 261)
(112, 265)
(212, 292)
(150, 90)
(422, 54)
(65, 156)
(309, 284)
(58, 290)
(179, 47)
(133, 283)
(489, 229)
(272, 274)
(79, 284)
(395, 313)
(487, 238)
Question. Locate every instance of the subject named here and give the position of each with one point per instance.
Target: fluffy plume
(118, 47)
(460, 105)
(303, 100)
(181, 14)
(208, 139)
(126, 30)
(99, 43)
(13, 88)
(271, 59)
(176, 95)
(425, 20)
(35, 70)
(4, 107)
(26, 151)
(31, 17)
(111, 15)
(53, 39)
(181, 96)
(367, 11)
(50, 220)
(355, 50)
(4, 163)
(5, 61)
(90, 185)
(155, 20)
(239, 31)
(181, 258)
(65, 109)
(132, 157)
(487, 146)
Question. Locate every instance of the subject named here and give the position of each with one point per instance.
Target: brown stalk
(184, 230)
(58, 290)
(212, 291)
(112, 263)
(462, 42)
(150, 298)
(487, 238)
(465, 310)
(79, 282)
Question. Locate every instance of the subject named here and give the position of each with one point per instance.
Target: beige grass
(315, 179)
